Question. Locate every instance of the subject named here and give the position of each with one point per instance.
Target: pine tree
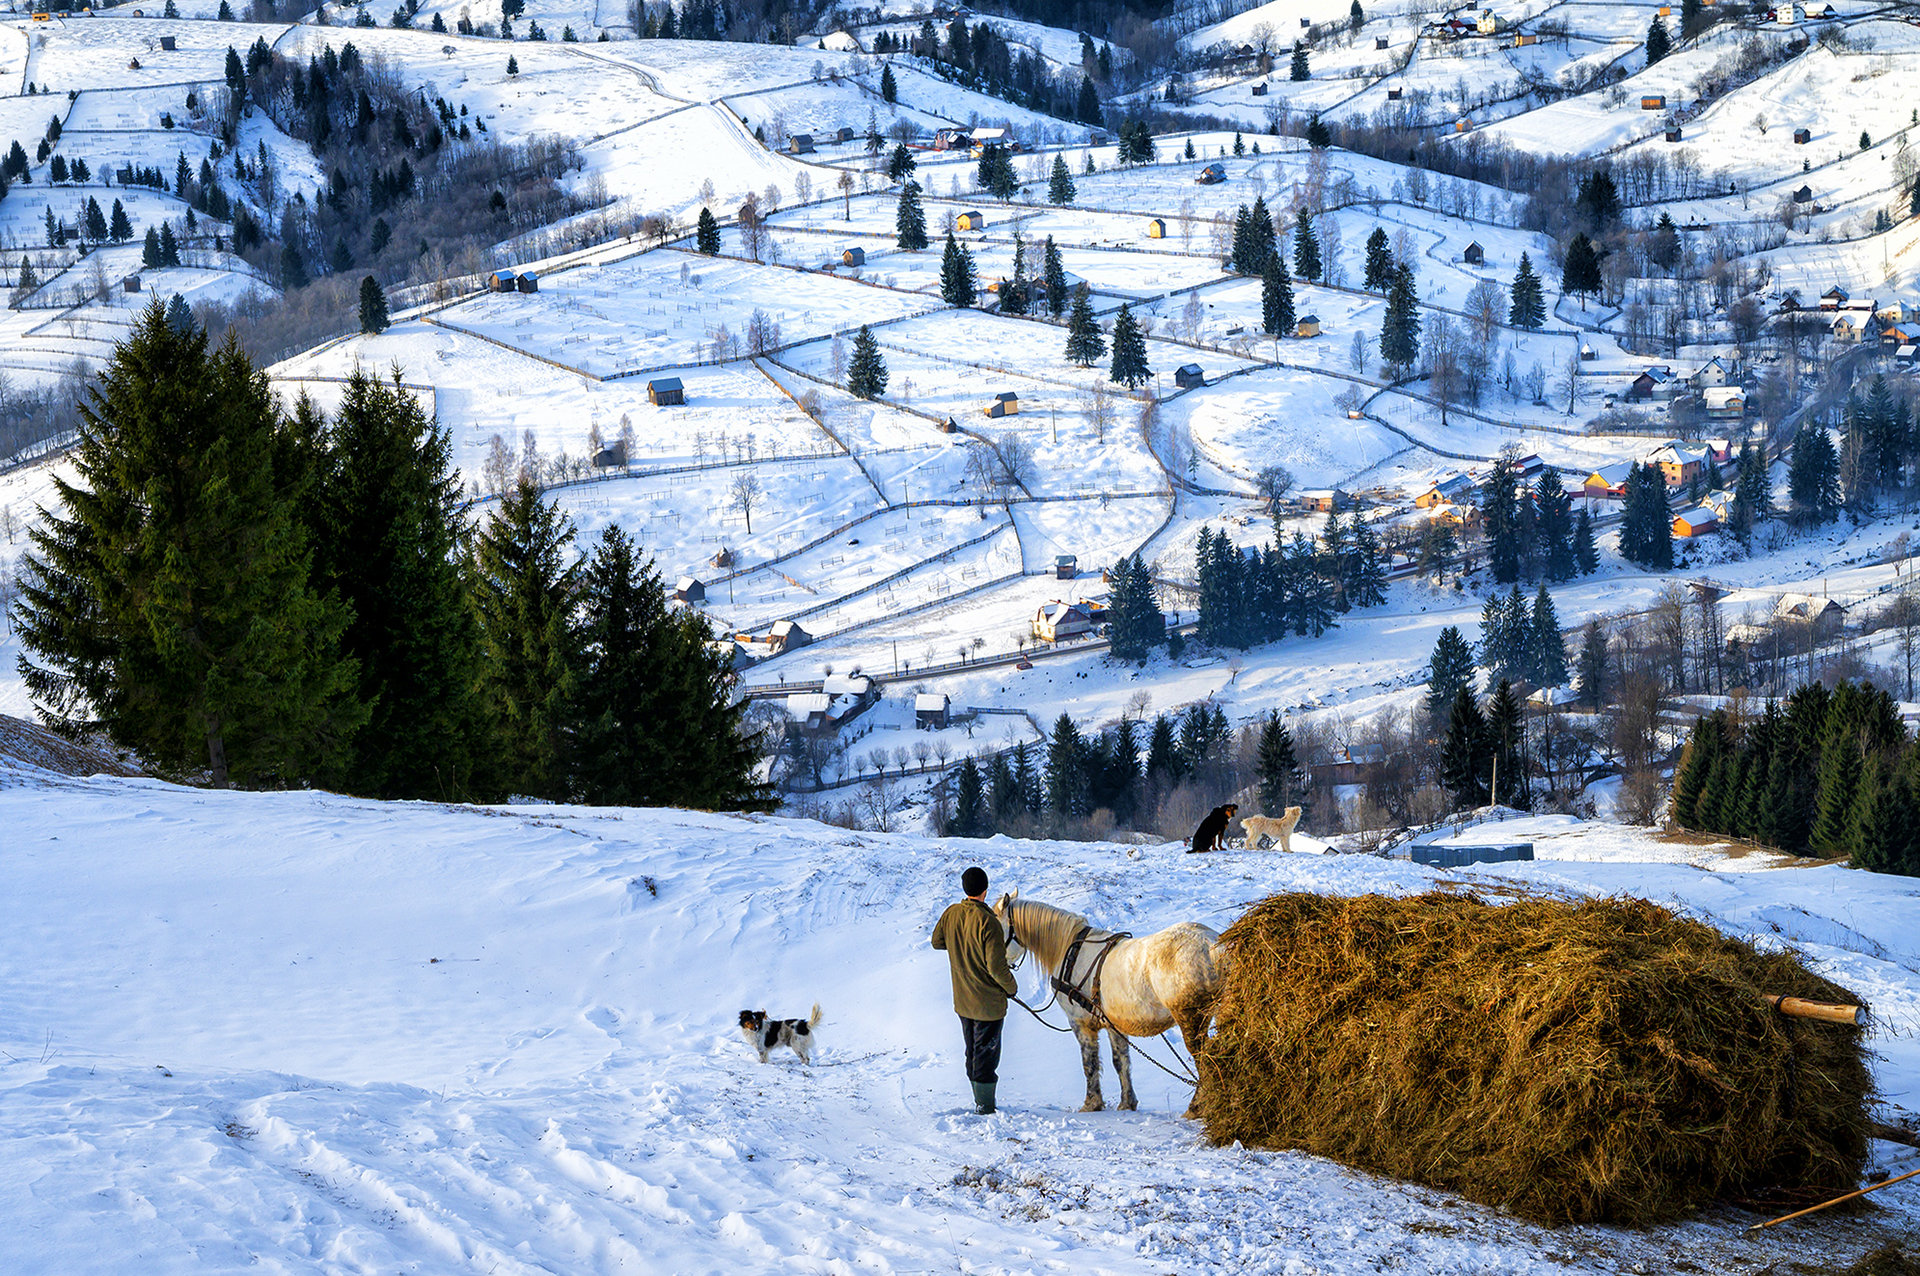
(1400, 330)
(889, 91)
(1449, 670)
(169, 246)
(1528, 308)
(958, 286)
(525, 586)
(867, 372)
(969, 804)
(1319, 137)
(900, 163)
(1379, 262)
(1306, 249)
(706, 234)
(373, 306)
(1586, 551)
(387, 518)
(1013, 294)
(910, 220)
(119, 230)
(1549, 648)
(1466, 754)
(1276, 298)
(1280, 778)
(1581, 273)
(657, 719)
(1136, 625)
(1506, 636)
(1054, 276)
(1366, 581)
(150, 250)
(179, 318)
(513, 65)
(167, 601)
(1129, 352)
(1087, 109)
(1261, 240)
(1299, 70)
(1060, 188)
(1659, 43)
(1084, 342)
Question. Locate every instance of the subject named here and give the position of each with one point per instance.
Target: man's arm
(997, 962)
(940, 932)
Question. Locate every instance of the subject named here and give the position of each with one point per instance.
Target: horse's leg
(1089, 1037)
(1193, 1022)
(1123, 1065)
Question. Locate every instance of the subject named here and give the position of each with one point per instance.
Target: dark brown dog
(1212, 833)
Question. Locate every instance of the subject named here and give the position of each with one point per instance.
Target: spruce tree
(1240, 254)
(910, 220)
(1528, 308)
(96, 221)
(1066, 771)
(1581, 273)
(706, 234)
(1085, 345)
(1306, 249)
(1379, 262)
(179, 317)
(1813, 475)
(969, 802)
(1449, 670)
(658, 722)
(1592, 682)
(867, 372)
(387, 519)
(167, 599)
(1507, 745)
(1136, 625)
(1400, 330)
(958, 286)
(1366, 574)
(1838, 778)
(1646, 531)
(1586, 551)
(1659, 42)
(1013, 294)
(169, 246)
(1276, 298)
(120, 229)
(1500, 519)
(1553, 507)
(525, 586)
(1280, 779)
(1549, 648)
(373, 306)
(889, 91)
(1060, 188)
(1054, 275)
(1466, 754)
(1300, 70)
(900, 163)
(150, 249)
(1129, 352)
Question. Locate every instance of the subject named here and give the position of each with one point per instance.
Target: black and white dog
(763, 1034)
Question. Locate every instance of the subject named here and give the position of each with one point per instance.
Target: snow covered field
(306, 1033)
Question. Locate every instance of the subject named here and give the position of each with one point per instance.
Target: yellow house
(1156, 228)
(1309, 326)
(972, 221)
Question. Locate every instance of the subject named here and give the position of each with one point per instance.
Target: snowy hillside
(296, 1032)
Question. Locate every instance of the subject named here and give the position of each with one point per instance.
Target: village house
(1655, 383)
(1801, 136)
(1824, 614)
(529, 282)
(1695, 522)
(503, 281)
(787, 635)
(1309, 326)
(1724, 402)
(1454, 487)
(1211, 175)
(1609, 482)
(1006, 403)
(1711, 373)
(1803, 195)
(1188, 376)
(932, 711)
(1679, 463)
(854, 257)
(972, 219)
(1833, 298)
(1066, 566)
(1057, 620)
(689, 590)
(840, 700)
(663, 391)
(1473, 254)
(1654, 102)
(1895, 335)
(800, 144)
(1156, 228)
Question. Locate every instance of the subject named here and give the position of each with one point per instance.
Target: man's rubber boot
(983, 1097)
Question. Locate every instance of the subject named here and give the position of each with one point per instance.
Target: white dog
(1280, 828)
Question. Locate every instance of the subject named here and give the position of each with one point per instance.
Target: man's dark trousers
(983, 1049)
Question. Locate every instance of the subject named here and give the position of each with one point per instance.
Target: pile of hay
(1601, 1061)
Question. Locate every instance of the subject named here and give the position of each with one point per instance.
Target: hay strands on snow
(1824, 1011)
(1815, 1209)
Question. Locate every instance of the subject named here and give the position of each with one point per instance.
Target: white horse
(1136, 987)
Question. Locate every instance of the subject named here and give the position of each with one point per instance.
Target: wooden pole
(1823, 1011)
(1814, 1209)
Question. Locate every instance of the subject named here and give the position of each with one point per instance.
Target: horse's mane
(1045, 930)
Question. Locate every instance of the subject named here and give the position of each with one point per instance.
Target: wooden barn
(529, 282)
(1156, 228)
(1066, 566)
(1801, 136)
(932, 711)
(666, 391)
(800, 144)
(130, 284)
(1189, 376)
(972, 220)
(1654, 102)
(854, 257)
(1006, 403)
(1309, 326)
(689, 590)
(1473, 254)
(503, 281)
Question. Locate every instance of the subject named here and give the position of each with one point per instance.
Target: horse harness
(1087, 997)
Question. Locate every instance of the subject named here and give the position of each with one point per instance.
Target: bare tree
(746, 492)
(1273, 482)
(1100, 410)
(752, 225)
(846, 193)
(802, 186)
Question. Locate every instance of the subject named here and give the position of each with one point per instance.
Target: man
(1212, 833)
(976, 950)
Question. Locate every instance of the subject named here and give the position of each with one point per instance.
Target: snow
(413, 1036)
